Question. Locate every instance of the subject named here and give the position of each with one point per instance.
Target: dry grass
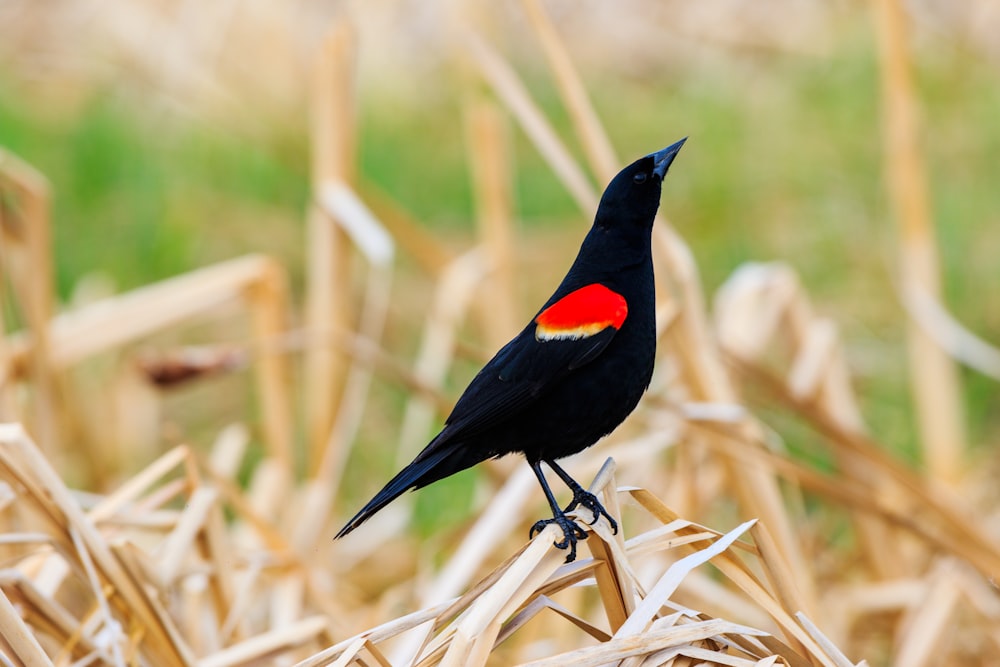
(158, 577)
(183, 565)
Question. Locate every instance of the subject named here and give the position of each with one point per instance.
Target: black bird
(574, 372)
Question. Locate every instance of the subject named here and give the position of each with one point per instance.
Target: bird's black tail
(428, 467)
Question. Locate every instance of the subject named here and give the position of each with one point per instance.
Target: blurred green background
(192, 146)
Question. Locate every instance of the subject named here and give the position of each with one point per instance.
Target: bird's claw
(572, 533)
(589, 501)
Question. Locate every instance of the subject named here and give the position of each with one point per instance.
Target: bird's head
(632, 197)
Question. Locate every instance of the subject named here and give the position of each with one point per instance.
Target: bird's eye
(639, 178)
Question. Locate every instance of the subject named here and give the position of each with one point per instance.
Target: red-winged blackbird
(574, 373)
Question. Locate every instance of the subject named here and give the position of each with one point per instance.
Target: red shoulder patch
(582, 313)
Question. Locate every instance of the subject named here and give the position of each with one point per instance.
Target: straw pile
(185, 564)
(128, 579)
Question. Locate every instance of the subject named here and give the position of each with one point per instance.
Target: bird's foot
(589, 501)
(572, 533)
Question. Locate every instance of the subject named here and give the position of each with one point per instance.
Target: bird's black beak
(662, 159)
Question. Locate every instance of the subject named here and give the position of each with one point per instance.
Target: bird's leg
(583, 498)
(572, 533)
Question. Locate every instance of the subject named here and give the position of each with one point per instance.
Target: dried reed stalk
(118, 320)
(327, 306)
(491, 171)
(26, 256)
(269, 306)
(934, 379)
(512, 92)
(255, 281)
(587, 125)
(17, 640)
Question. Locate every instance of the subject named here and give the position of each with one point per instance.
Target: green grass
(141, 199)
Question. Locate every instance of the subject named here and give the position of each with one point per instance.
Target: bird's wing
(568, 334)
(519, 374)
